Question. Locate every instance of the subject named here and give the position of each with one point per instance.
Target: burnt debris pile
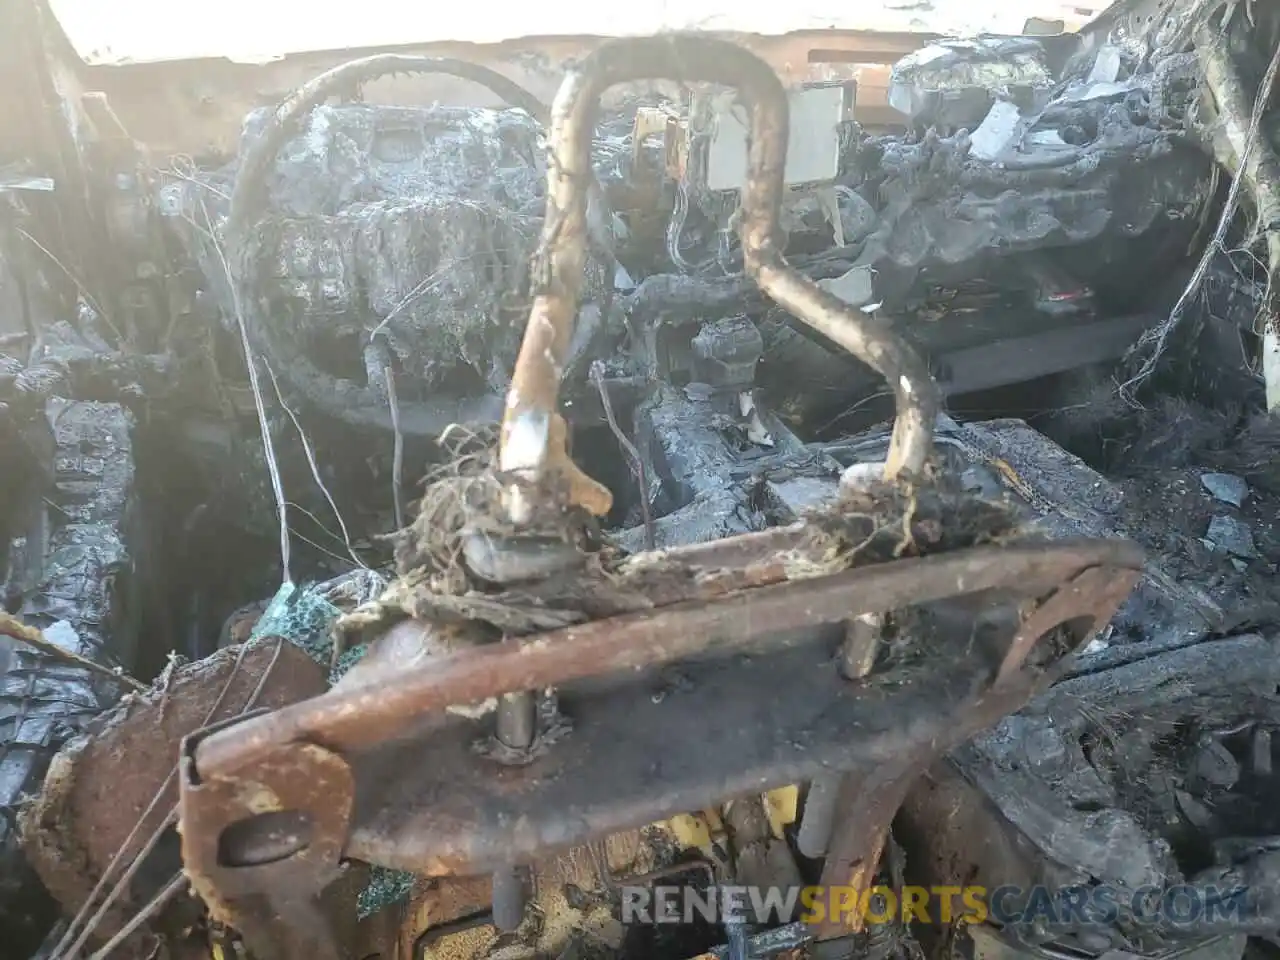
(395, 473)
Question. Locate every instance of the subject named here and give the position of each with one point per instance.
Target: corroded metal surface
(357, 717)
(778, 717)
(88, 812)
(262, 846)
(1093, 597)
(1081, 606)
(433, 805)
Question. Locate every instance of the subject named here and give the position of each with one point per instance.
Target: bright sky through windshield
(122, 31)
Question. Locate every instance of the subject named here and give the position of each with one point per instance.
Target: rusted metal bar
(433, 807)
(723, 566)
(530, 448)
(1094, 587)
(819, 817)
(371, 713)
(887, 727)
(867, 807)
(867, 812)
(857, 657)
(1082, 605)
(702, 571)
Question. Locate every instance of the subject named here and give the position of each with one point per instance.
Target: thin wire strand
(158, 902)
(80, 287)
(315, 467)
(1157, 338)
(122, 884)
(319, 524)
(264, 427)
(321, 548)
(397, 455)
(62, 948)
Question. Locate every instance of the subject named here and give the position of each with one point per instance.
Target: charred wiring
(718, 462)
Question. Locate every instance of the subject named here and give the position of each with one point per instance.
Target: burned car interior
(450, 488)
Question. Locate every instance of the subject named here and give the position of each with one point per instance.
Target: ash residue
(1158, 456)
(393, 237)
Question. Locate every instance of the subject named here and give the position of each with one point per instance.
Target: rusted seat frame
(273, 805)
(309, 759)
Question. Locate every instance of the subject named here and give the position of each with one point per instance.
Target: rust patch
(99, 786)
(367, 715)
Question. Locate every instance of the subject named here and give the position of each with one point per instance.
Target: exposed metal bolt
(509, 899)
(857, 658)
(861, 645)
(819, 817)
(517, 721)
(516, 727)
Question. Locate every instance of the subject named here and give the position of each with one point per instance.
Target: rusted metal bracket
(533, 437)
(1092, 590)
(276, 849)
(382, 773)
(1082, 605)
(377, 711)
